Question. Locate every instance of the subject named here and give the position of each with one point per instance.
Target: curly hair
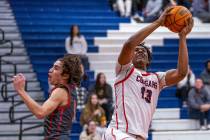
(72, 66)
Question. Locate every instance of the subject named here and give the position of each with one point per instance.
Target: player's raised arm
(40, 111)
(129, 46)
(176, 75)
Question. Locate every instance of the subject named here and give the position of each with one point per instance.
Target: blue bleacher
(165, 57)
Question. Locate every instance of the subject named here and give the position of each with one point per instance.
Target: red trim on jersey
(61, 110)
(51, 119)
(125, 138)
(125, 77)
(113, 134)
(116, 108)
(124, 107)
(75, 108)
(146, 74)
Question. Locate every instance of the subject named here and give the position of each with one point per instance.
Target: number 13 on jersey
(146, 94)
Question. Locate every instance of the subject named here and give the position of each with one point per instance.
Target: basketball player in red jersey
(136, 90)
(60, 107)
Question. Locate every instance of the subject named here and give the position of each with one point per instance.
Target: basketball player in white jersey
(136, 90)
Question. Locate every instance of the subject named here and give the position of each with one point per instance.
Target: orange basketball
(175, 21)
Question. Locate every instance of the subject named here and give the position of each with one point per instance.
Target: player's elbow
(40, 115)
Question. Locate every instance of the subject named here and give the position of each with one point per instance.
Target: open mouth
(49, 76)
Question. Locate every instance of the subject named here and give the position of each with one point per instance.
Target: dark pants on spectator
(182, 93)
(152, 18)
(201, 116)
(204, 16)
(108, 111)
(138, 5)
(84, 60)
(185, 3)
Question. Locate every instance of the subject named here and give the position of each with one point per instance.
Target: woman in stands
(93, 111)
(60, 107)
(76, 44)
(104, 92)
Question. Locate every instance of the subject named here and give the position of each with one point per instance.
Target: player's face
(55, 73)
(140, 59)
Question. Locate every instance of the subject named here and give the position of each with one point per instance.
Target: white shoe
(203, 127)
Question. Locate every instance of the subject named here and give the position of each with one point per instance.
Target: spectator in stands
(90, 132)
(104, 92)
(65, 75)
(201, 9)
(93, 111)
(168, 3)
(152, 10)
(81, 91)
(76, 44)
(184, 86)
(185, 3)
(138, 7)
(124, 7)
(199, 103)
(205, 75)
(113, 5)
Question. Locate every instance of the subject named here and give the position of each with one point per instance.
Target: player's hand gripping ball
(177, 17)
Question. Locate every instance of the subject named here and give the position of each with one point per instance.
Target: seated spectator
(124, 7)
(104, 92)
(90, 132)
(93, 111)
(205, 75)
(76, 44)
(199, 104)
(184, 86)
(152, 10)
(138, 7)
(201, 9)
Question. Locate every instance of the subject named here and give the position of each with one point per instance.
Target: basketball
(175, 21)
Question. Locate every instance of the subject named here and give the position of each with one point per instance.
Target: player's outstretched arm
(176, 75)
(39, 111)
(127, 51)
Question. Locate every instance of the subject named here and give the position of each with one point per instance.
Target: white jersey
(136, 96)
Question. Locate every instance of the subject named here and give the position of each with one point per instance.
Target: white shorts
(115, 134)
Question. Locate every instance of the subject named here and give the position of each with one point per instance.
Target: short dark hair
(71, 65)
(148, 52)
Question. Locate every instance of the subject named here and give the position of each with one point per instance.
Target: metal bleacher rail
(5, 80)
